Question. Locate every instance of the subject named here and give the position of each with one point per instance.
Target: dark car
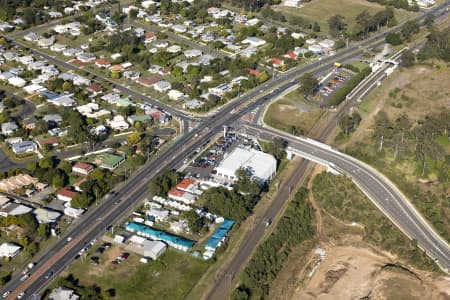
(49, 274)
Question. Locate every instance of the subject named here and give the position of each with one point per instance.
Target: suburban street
(122, 201)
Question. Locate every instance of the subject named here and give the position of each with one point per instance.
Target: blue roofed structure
(158, 235)
(219, 235)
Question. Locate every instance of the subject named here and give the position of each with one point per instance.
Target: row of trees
(295, 227)
(405, 34)
(437, 45)
(406, 137)
(365, 23)
(403, 4)
(340, 95)
(348, 123)
(99, 182)
(32, 12)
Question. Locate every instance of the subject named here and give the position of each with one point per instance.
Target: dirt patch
(350, 272)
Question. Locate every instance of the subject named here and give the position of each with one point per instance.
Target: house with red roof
(149, 37)
(291, 55)
(65, 194)
(51, 141)
(102, 63)
(95, 89)
(148, 81)
(117, 68)
(186, 184)
(276, 62)
(181, 196)
(82, 168)
(253, 72)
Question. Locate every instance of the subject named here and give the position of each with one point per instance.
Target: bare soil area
(350, 272)
(351, 268)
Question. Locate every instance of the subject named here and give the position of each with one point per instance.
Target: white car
(21, 295)
(6, 294)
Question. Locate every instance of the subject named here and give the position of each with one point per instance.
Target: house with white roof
(46, 42)
(192, 53)
(162, 86)
(65, 100)
(175, 95)
(254, 41)
(193, 104)
(173, 49)
(9, 128)
(58, 47)
(63, 293)
(17, 81)
(9, 250)
(179, 28)
(31, 37)
(118, 123)
(33, 88)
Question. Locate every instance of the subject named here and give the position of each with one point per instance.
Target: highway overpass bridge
(379, 189)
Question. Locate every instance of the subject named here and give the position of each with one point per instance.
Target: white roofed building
(261, 166)
(9, 250)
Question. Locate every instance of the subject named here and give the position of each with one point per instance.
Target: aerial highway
(123, 199)
(380, 190)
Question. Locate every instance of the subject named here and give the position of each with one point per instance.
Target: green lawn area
(290, 112)
(172, 276)
(444, 141)
(321, 11)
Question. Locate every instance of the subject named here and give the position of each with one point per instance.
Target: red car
(115, 262)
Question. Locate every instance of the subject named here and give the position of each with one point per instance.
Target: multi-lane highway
(122, 201)
(380, 190)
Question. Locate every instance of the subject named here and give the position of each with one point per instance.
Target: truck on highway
(28, 267)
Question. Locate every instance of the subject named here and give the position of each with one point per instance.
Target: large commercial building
(261, 166)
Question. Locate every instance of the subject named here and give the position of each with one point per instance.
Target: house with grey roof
(24, 147)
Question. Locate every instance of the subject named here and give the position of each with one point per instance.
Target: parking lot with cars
(331, 84)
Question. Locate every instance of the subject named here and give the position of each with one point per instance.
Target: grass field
(172, 276)
(291, 111)
(321, 10)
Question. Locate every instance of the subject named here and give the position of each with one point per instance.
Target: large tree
(308, 83)
(337, 25)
